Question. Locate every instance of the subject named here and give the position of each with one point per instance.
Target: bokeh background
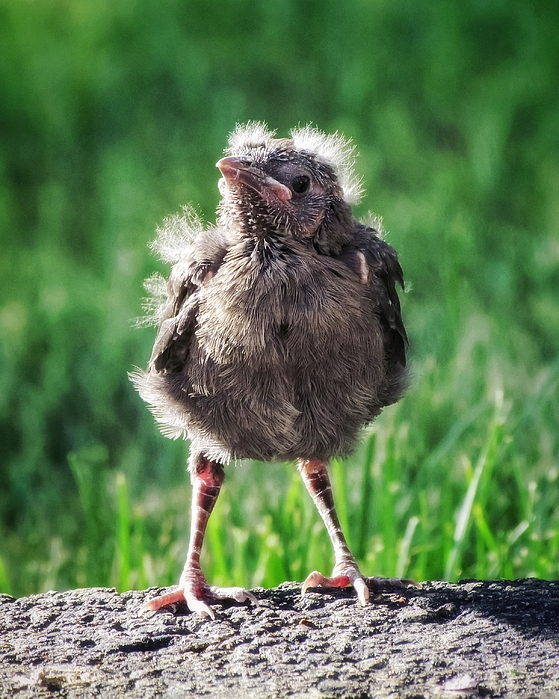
(112, 116)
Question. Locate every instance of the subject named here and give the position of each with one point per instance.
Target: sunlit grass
(466, 512)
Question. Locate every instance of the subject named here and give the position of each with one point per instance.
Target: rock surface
(474, 639)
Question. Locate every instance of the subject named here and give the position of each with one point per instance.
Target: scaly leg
(207, 478)
(346, 572)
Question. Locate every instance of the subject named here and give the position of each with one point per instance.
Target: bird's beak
(236, 170)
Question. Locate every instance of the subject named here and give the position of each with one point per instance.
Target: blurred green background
(112, 115)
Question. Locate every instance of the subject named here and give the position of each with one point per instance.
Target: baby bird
(280, 332)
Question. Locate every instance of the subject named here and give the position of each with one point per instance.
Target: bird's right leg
(207, 477)
(346, 571)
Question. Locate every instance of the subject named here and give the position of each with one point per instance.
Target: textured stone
(474, 639)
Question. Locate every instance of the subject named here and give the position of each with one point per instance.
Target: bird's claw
(194, 599)
(360, 586)
(156, 603)
(316, 579)
(237, 593)
(198, 606)
(352, 576)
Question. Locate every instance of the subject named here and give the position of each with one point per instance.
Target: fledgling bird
(280, 332)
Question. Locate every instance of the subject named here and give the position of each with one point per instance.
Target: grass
(441, 521)
(113, 117)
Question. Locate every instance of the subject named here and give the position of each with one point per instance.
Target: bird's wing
(377, 264)
(200, 262)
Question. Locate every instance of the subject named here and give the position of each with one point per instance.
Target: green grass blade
(123, 533)
(338, 469)
(366, 498)
(5, 586)
(485, 463)
(404, 547)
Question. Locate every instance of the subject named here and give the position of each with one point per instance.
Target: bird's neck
(336, 230)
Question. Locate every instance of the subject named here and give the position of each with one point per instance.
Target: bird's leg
(207, 477)
(346, 572)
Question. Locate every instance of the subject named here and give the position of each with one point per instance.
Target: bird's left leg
(207, 478)
(346, 571)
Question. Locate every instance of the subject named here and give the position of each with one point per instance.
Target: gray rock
(474, 639)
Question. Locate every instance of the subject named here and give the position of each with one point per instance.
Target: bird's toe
(198, 606)
(362, 590)
(239, 594)
(191, 597)
(160, 601)
(316, 579)
(196, 598)
(350, 576)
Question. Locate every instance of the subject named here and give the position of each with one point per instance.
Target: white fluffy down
(338, 152)
(333, 149)
(251, 133)
(176, 234)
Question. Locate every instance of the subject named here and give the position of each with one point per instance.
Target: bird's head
(300, 187)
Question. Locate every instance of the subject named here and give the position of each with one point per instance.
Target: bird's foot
(195, 596)
(350, 575)
(343, 575)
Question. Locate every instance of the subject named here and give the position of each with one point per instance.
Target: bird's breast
(287, 358)
(280, 306)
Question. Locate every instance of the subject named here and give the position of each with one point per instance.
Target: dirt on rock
(473, 639)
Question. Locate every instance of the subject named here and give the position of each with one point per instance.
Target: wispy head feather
(253, 133)
(335, 150)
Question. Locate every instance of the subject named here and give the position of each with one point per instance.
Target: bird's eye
(300, 184)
